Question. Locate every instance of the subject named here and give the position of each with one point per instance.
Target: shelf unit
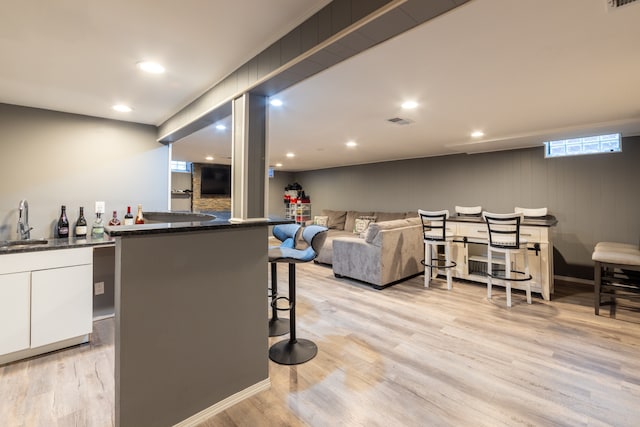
(299, 212)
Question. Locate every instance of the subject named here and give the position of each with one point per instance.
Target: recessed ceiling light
(150, 67)
(209, 158)
(278, 165)
(351, 144)
(221, 127)
(408, 105)
(122, 108)
(477, 134)
(276, 102)
(290, 155)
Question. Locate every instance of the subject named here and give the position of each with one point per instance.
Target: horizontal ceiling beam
(339, 31)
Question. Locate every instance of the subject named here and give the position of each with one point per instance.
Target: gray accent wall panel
(595, 198)
(191, 322)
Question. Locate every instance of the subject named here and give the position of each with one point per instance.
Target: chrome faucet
(24, 231)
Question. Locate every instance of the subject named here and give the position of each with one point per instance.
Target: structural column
(249, 162)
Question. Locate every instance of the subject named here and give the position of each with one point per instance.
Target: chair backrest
(468, 210)
(434, 224)
(288, 234)
(315, 235)
(504, 229)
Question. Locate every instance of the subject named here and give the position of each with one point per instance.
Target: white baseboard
(574, 280)
(203, 415)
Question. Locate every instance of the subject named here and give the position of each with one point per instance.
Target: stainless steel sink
(19, 243)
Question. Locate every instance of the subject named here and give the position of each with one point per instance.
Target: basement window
(179, 166)
(587, 145)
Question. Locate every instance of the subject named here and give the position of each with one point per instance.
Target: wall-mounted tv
(215, 180)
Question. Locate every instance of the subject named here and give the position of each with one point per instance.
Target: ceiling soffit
(339, 31)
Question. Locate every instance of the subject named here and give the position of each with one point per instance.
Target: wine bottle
(128, 218)
(97, 229)
(81, 225)
(63, 223)
(139, 217)
(114, 220)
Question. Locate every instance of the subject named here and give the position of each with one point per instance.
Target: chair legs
(431, 257)
(277, 326)
(507, 274)
(294, 350)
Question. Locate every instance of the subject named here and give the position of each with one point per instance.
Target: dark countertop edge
(186, 227)
(57, 244)
(546, 222)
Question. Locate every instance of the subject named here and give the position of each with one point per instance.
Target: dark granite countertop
(34, 245)
(543, 221)
(180, 222)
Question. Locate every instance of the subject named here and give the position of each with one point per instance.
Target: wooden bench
(617, 273)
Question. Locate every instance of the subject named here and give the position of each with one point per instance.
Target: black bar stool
(295, 350)
(288, 234)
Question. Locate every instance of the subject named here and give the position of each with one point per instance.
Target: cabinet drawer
(41, 260)
(530, 234)
(475, 231)
(479, 231)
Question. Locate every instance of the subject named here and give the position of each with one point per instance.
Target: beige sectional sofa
(390, 250)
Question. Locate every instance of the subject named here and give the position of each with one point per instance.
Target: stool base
(293, 352)
(278, 327)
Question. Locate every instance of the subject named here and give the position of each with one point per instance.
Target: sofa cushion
(376, 227)
(361, 225)
(321, 220)
(389, 216)
(350, 220)
(336, 218)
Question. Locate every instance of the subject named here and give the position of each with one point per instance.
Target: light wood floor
(404, 356)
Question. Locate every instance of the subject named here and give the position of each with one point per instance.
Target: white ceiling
(80, 56)
(522, 71)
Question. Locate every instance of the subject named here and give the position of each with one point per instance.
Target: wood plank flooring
(404, 356)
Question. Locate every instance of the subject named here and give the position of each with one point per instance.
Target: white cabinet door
(61, 304)
(14, 312)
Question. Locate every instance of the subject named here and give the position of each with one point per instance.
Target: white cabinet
(61, 304)
(14, 312)
(45, 301)
(470, 254)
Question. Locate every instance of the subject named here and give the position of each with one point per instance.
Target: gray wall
(276, 193)
(594, 197)
(52, 158)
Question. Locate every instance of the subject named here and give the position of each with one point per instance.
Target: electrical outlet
(100, 207)
(98, 288)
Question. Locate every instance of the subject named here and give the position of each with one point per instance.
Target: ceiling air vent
(614, 4)
(399, 121)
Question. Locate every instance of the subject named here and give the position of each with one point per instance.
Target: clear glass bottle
(139, 217)
(128, 218)
(63, 223)
(81, 225)
(97, 229)
(114, 220)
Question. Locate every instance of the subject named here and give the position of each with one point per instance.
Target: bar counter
(191, 318)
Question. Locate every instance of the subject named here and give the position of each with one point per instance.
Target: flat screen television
(215, 180)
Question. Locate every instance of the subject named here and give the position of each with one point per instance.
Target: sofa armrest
(395, 254)
(355, 258)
